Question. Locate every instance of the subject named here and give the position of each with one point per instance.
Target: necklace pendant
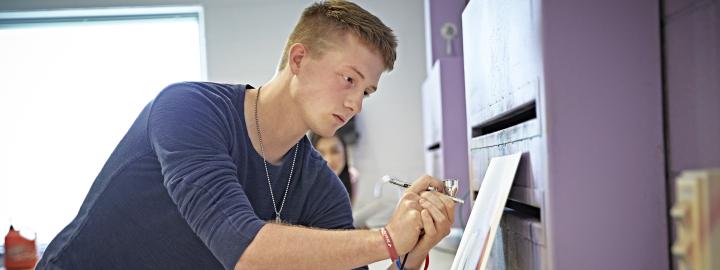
(277, 219)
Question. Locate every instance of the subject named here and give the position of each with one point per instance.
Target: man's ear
(296, 56)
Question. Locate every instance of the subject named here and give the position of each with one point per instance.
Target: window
(71, 84)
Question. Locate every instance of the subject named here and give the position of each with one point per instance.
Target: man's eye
(348, 79)
(366, 94)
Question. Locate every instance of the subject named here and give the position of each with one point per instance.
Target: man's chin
(324, 132)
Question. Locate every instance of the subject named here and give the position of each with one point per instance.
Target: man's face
(329, 90)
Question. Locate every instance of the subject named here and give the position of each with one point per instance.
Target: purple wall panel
(692, 53)
(438, 12)
(692, 85)
(455, 132)
(603, 119)
(674, 7)
(455, 129)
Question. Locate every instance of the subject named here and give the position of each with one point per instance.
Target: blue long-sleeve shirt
(185, 189)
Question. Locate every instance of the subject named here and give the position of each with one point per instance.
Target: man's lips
(339, 118)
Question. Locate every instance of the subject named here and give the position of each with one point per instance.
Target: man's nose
(354, 103)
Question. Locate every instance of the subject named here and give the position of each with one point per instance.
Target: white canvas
(486, 212)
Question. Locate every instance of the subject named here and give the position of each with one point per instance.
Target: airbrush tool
(451, 186)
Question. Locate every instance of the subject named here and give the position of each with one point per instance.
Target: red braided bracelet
(389, 244)
(427, 261)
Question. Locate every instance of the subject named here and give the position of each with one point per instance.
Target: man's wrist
(415, 260)
(390, 246)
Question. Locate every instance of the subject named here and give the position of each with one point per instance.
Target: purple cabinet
(576, 86)
(444, 116)
(445, 126)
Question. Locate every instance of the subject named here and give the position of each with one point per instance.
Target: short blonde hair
(333, 19)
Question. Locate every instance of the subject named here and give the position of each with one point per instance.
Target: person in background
(335, 152)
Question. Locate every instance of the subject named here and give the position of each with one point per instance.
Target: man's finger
(437, 214)
(425, 181)
(435, 198)
(428, 223)
(449, 205)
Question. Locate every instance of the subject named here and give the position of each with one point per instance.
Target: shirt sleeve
(332, 209)
(331, 205)
(191, 131)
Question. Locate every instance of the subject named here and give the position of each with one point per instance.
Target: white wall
(244, 40)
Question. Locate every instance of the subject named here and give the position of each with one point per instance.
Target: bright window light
(69, 91)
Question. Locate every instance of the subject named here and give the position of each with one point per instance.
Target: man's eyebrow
(374, 88)
(358, 72)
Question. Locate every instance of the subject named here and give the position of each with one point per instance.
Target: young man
(214, 176)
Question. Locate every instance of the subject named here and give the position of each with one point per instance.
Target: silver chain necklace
(262, 153)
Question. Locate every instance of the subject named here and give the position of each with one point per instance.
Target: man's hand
(438, 215)
(407, 223)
